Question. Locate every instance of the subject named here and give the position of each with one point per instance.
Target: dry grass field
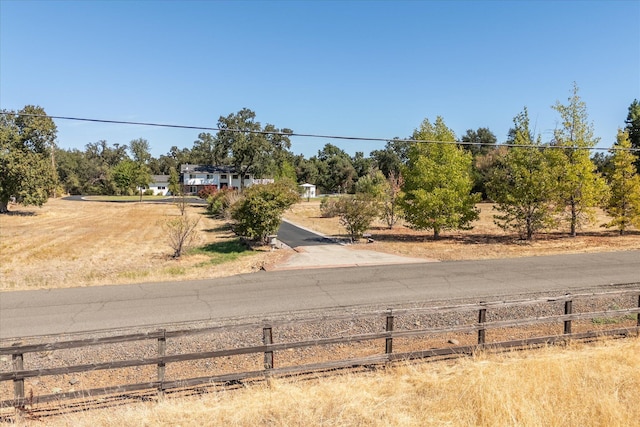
(591, 385)
(486, 240)
(74, 243)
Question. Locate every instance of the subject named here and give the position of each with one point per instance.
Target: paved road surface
(267, 294)
(294, 236)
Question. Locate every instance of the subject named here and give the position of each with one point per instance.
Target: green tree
(124, 175)
(481, 144)
(306, 170)
(633, 128)
(437, 187)
(479, 141)
(335, 170)
(583, 188)
(141, 156)
(208, 151)
(27, 141)
(524, 183)
(100, 161)
(259, 212)
(248, 146)
(623, 205)
(392, 157)
(373, 184)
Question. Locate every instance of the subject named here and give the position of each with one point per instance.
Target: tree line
(433, 185)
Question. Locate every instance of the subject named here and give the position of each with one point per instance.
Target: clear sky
(360, 68)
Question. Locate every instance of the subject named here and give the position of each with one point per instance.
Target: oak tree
(27, 141)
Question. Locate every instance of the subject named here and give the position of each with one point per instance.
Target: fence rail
(269, 348)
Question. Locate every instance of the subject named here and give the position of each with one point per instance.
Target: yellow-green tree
(438, 182)
(524, 183)
(582, 187)
(623, 205)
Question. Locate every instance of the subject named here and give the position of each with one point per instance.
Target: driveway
(313, 250)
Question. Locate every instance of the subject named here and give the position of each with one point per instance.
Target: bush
(220, 201)
(148, 192)
(356, 214)
(328, 207)
(207, 191)
(259, 213)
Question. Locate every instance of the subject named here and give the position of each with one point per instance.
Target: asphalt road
(269, 294)
(294, 236)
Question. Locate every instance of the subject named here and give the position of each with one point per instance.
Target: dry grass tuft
(72, 243)
(584, 384)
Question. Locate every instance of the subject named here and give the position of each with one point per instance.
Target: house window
(223, 176)
(209, 176)
(235, 176)
(191, 176)
(162, 187)
(246, 177)
(193, 189)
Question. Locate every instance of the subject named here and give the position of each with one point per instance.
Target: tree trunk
(574, 219)
(4, 207)
(436, 233)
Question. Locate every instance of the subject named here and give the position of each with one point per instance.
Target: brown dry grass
(486, 240)
(592, 385)
(73, 243)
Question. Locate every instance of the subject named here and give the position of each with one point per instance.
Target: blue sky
(371, 69)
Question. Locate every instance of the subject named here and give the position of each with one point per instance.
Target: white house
(197, 177)
(159, 184)
(308, 190)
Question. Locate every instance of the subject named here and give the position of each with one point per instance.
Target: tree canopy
(523, 183)
(633, 129)
(437, 182)
(623, 205)
(27, 141)
(582, 186)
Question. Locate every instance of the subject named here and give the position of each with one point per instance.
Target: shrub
(181, 233)
(220, 201)
(328, 207)
(207, 191)
(356, 214)
(259, 212)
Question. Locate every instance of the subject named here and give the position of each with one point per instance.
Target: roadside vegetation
(584, 384)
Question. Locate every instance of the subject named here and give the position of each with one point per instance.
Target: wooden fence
(269, 349)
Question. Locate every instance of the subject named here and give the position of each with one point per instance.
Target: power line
(311, 135)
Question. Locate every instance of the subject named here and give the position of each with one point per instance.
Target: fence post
(638, 314)
(568, 309)
(162, 351)
(388, 347)
(18, 384)
(482, 318)
(267, 338)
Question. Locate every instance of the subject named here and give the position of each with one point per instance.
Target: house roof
(159, 178)
(187, 168)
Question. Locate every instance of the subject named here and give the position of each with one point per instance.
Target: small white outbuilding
(308, 190)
